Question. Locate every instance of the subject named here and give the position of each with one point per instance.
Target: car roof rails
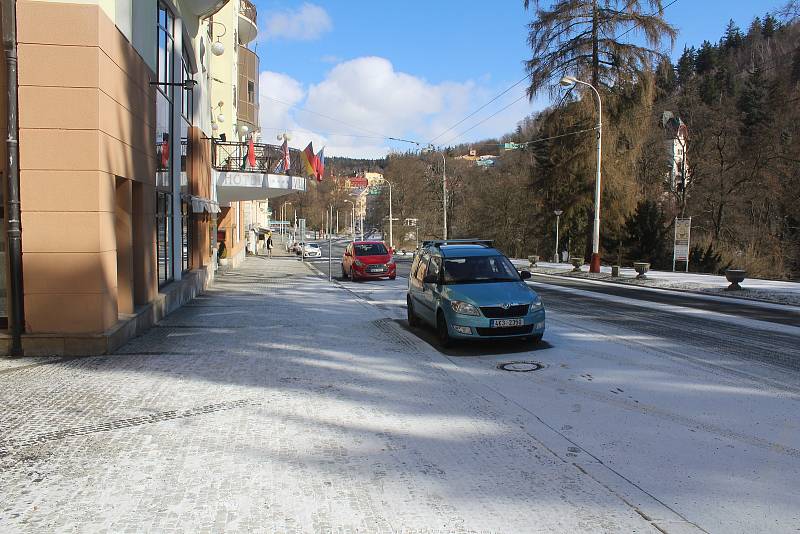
(488, 243)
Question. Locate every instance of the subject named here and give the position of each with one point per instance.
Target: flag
(249, 155)
(164, 150)
(251, 152)
(309, 161)
(320, 168)
(285, 163)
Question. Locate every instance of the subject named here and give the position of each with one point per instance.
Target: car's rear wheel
(413, 322)
(442, 331)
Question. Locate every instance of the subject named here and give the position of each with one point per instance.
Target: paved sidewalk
(277, 402)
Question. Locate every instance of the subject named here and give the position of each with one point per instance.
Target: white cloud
(370, 99)
(307, 23)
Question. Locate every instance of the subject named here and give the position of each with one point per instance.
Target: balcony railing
(268, 158)
(248, 9)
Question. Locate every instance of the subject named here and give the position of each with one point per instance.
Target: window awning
(240, 186)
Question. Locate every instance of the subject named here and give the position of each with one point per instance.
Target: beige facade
(88, 164)
(119, 164)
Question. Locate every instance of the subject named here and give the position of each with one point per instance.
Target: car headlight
(358, 263)
(464, 308)
(537, 305)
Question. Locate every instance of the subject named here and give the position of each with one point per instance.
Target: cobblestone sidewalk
(277, 402)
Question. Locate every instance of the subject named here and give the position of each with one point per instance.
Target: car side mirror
(525, 275)
(430, 279)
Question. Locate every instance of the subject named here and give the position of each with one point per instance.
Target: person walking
(269, 245)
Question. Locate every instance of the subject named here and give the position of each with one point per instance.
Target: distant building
(677, 137)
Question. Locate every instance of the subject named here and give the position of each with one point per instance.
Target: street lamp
(444, 192)
(283, 219)
(391, 240)
(594, 266)
(353, 217)
(558, 215)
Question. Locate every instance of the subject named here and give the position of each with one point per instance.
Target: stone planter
(735, 277)
(615, 271)
(533, 260)
(577, 263)
(641, 267)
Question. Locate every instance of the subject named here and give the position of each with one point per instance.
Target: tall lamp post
(391, 240)
(558, 215)
(594, 266)
(444, 192)
(284, 214)
(352, 218)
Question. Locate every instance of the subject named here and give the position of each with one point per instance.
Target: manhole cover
(520, 367)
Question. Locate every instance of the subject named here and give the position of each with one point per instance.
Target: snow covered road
(693, 411)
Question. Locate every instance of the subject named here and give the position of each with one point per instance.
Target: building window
(186, 236)
(165, 95)
(187, 119)
(164, 236)
(251, 91)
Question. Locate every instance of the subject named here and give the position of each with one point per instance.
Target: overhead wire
(635, 25)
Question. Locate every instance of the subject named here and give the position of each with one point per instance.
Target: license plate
(377, 269)
(501, 323)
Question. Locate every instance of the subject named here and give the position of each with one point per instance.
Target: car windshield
(312, 245)
(479, 269)
(370, 249)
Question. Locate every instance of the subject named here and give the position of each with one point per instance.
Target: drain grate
(520, 367)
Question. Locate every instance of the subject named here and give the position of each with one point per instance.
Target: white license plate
(501, 323)
(377, 269)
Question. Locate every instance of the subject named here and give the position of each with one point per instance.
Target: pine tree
(753, 102)
(732, 37)
(685, 67)
(576, 37)
(755, 28)
(706, 58)
(770, 24)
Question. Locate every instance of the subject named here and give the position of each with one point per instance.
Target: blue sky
(411, 69)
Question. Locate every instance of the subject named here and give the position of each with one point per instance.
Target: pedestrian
(269, 245)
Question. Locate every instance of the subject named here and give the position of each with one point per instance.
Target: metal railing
(248, 9)
(227, 156)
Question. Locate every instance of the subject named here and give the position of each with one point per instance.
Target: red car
(368, 259)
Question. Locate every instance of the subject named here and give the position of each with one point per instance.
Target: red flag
(164, 151)
(251, 152)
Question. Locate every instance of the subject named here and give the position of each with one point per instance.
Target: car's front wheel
(442, 331)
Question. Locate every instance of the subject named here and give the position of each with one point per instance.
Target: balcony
(237, 180)
(248, 16)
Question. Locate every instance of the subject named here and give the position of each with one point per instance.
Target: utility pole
(558, 215)
(444, 193)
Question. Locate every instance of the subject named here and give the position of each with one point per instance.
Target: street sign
(683, 230)
(374, 190)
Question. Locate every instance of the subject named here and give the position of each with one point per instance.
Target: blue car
(467, 289)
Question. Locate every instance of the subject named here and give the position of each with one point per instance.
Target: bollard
(615, 271)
